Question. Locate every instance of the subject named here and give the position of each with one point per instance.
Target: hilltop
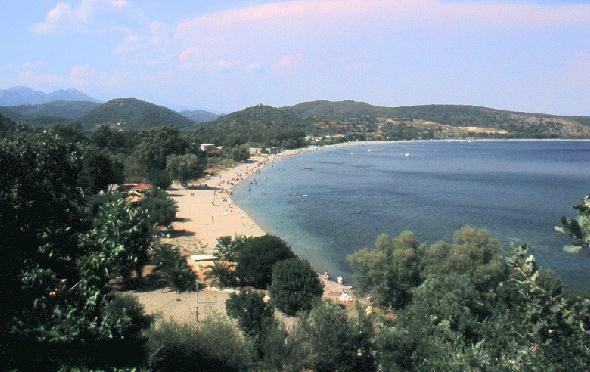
(26, 96)
(264, 125)
(131, 113)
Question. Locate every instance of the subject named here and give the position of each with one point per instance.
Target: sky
(222, 55)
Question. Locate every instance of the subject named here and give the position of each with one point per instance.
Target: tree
(160, 208)
(174, 268)
(99, 171)
(229, 249)
(388, 271)
(42, 215)
(257, 257)
(579, 227)
(474, 252)
(123, 234)
(249, 309)
(337, 343)
(56, 301)
(184, 167)
(295, 286)
(240, 153)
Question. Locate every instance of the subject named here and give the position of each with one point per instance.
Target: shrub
(250, 310)
(160, 208)
(122, 317)
(295, 286)
(257, 257)
(174, 268)
(215, 345)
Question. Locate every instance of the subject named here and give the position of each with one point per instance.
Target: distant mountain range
(26, 96)
(352, 118)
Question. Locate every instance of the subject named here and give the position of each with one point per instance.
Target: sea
(329, 203)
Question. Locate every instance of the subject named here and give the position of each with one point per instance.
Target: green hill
(49, 113)
(257, 125)
(131, 113)
(438, 121)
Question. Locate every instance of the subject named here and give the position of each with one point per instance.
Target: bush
(295, 286)
(250, 310)
(159, 178)
(257, 257)
(122, 317)
(174, 268)
(161, 208)
(215, 345)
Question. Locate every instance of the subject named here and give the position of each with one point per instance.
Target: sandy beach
(207, 210)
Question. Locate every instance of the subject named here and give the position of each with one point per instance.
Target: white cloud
(188, 54)
(64, 15)
(253, 66)
(287, 62)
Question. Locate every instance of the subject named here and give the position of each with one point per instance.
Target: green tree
(337, 343)
(173, 268)
(295, 286)
(228, 248)
(42, 215)
(160, 208)
(240, 153)
(579, 227)
(184, 167)
(257, 257)
(250, 310)
(123, 234)
(388, 271)
(99, 171)
(474, 252)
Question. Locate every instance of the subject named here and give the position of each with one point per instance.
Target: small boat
(406, 155)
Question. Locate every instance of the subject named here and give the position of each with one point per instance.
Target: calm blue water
(329, 203)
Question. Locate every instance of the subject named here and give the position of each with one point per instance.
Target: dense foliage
(255, 257)
(578, 227)
(171, 267)
(466, 305)
(213, 346)
(133, 114)
(257, 125)
(56, 263)
(295, 286)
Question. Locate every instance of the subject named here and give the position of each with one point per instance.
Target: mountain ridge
(20, 95)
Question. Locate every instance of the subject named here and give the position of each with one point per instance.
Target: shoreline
(209, 213)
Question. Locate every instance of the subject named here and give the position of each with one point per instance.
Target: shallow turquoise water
(329, 203)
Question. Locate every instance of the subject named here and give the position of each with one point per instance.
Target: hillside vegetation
(49, 113)
(435, 121)
(262, 125)
(134, 114)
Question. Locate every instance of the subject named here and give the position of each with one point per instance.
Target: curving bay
(329, 203)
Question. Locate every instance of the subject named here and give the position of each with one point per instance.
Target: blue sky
(226, 55)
